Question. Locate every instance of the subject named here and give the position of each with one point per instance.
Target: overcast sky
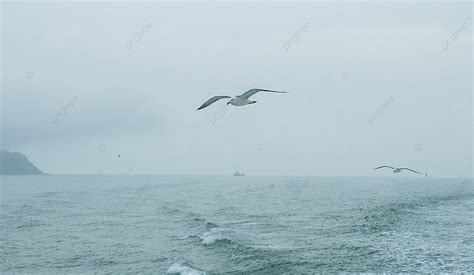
(371, 84)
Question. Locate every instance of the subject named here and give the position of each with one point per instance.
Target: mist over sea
(224, 224)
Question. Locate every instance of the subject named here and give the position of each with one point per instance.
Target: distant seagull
(398, 170)
(327, 218)
(239, 100)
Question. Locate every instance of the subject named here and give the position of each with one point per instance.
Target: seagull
(398, 170)
(239, 100)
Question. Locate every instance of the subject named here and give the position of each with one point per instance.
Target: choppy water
(188, 225)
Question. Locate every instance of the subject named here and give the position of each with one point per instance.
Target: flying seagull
(398, 170)
(239, 100)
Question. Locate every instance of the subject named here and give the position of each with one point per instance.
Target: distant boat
(238, 174)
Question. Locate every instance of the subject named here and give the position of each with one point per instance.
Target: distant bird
(239, 100)
(327, 218)
(398, 170)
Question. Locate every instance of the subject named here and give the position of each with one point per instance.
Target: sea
(235, 225)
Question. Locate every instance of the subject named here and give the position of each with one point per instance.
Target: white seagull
(239, 100)
(397, 170)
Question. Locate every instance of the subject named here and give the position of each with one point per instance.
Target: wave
(385, 217)
(213, 236)
(30, 224)
(182, 269)
(170, 210)
(210, 225)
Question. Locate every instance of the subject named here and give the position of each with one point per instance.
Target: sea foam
(178, 268)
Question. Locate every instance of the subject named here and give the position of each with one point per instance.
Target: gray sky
(371, 84)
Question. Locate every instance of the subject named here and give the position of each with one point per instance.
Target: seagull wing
(385, 166)
(212, 100)
(251, 92)
(410, 170)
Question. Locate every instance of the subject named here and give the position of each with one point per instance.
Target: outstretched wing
(251, 92)
(385, 166)
(410, 170)
(212, 100)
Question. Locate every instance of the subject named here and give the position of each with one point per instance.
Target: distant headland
(14, 163)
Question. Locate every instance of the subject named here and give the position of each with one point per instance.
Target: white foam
(212, 236)
(177, 268)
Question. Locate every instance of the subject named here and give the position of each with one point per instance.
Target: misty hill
(14, 163)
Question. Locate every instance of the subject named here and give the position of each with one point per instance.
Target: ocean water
(220, 224)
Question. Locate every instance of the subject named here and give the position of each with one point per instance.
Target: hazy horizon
(370, 84)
